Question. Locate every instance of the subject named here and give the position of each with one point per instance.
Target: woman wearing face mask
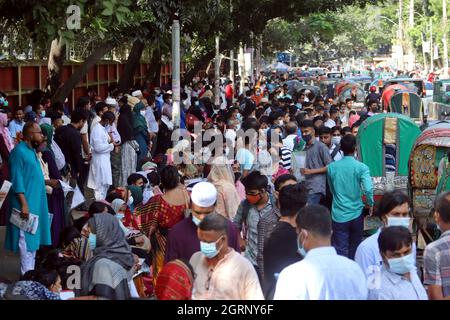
(50, 279)
(107, 273)
(393, 210)
(398, 279)
(140, 131)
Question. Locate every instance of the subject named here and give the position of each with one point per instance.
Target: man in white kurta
(100, 175)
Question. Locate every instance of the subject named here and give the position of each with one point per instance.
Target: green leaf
(108, 5)
(107, 12)
(123, 9)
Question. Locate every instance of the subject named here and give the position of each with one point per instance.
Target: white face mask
(142, 112)
(336, 140)
(397, 221)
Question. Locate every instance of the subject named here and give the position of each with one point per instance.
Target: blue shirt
(395, 287)
(345, 178)
(14, 127)
(27, 178)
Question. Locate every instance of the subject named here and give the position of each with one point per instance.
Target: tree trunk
(126, 80)
(55, 66)
(201, 63)
(63, 92)
(153, 73)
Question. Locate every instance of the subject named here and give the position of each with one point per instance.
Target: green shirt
(348, 180)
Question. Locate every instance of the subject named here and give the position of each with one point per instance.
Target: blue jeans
(347, 236)
(314, 198)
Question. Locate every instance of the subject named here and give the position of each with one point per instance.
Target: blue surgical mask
(300, 249)
(43, 114)
(239, 117)
(195, 220)
(397, 221)
(120, 216)
(92, 241)
(402, 265)
(209, 249)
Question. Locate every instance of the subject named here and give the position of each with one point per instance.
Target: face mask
(108, 127)
(402, 265)
(396, 221)
(130, 201)
(336, 140)
(300, 249)
(43, 114)
(142, 112)
(92, 241)
(253, 199)
(307, 137)
(281, 122)
(239, 117)
(209, 249)
(120, 216)
(195, 220)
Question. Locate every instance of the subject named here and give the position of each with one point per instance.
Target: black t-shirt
(280, 251)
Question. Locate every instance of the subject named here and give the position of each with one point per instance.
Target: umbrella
(279, 67)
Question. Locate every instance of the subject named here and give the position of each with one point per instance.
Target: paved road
(9, 262)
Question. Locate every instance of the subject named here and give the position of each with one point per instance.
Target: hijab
(137, 193)
(47, 131)
(116, 204)
(4, 132)
(139, 121)
(111, 245)
(125, 123)
(174, 282)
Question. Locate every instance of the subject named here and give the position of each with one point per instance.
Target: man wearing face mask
(436, 255)
(317, 159)
(255, 208)
(334, 149)
(182, 241)
(221, 272)
(398, 279)
(167, 106)
(393, 210)
(29, 196)
(100, 175)
(322, 274)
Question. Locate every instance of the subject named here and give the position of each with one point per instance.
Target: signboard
(426, 46)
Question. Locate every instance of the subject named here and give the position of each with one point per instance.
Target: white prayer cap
(111, 101)
(136, 93)
(204, 194)
(132, 101)
(169, 92)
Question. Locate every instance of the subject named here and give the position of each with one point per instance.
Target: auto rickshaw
(441, 100)
(407, 103)
(384, 143)
(355, 92)
(388, 92)
(428, 150)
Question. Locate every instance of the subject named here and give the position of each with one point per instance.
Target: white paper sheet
(78, 198)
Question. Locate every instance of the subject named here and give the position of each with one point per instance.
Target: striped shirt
(286, 158)
(437, 263)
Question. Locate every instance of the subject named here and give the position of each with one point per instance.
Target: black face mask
(307, 138)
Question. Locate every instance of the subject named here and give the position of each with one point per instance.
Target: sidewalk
(9, 262)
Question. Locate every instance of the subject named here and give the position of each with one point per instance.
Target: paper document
(78, 198)
(29, 225)
(4, 190)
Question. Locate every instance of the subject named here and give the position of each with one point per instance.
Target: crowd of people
(273, 209)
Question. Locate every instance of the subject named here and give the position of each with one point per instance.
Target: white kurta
(100, 168)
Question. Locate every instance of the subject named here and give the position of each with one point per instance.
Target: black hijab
(125, 124)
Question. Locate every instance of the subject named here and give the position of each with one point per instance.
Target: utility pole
(444, 38)
(410, 44)
(431, 46)
(425, 63)
(401, 61)
(176, 72)
(217, 74)
(232, 66)
(241, 65)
